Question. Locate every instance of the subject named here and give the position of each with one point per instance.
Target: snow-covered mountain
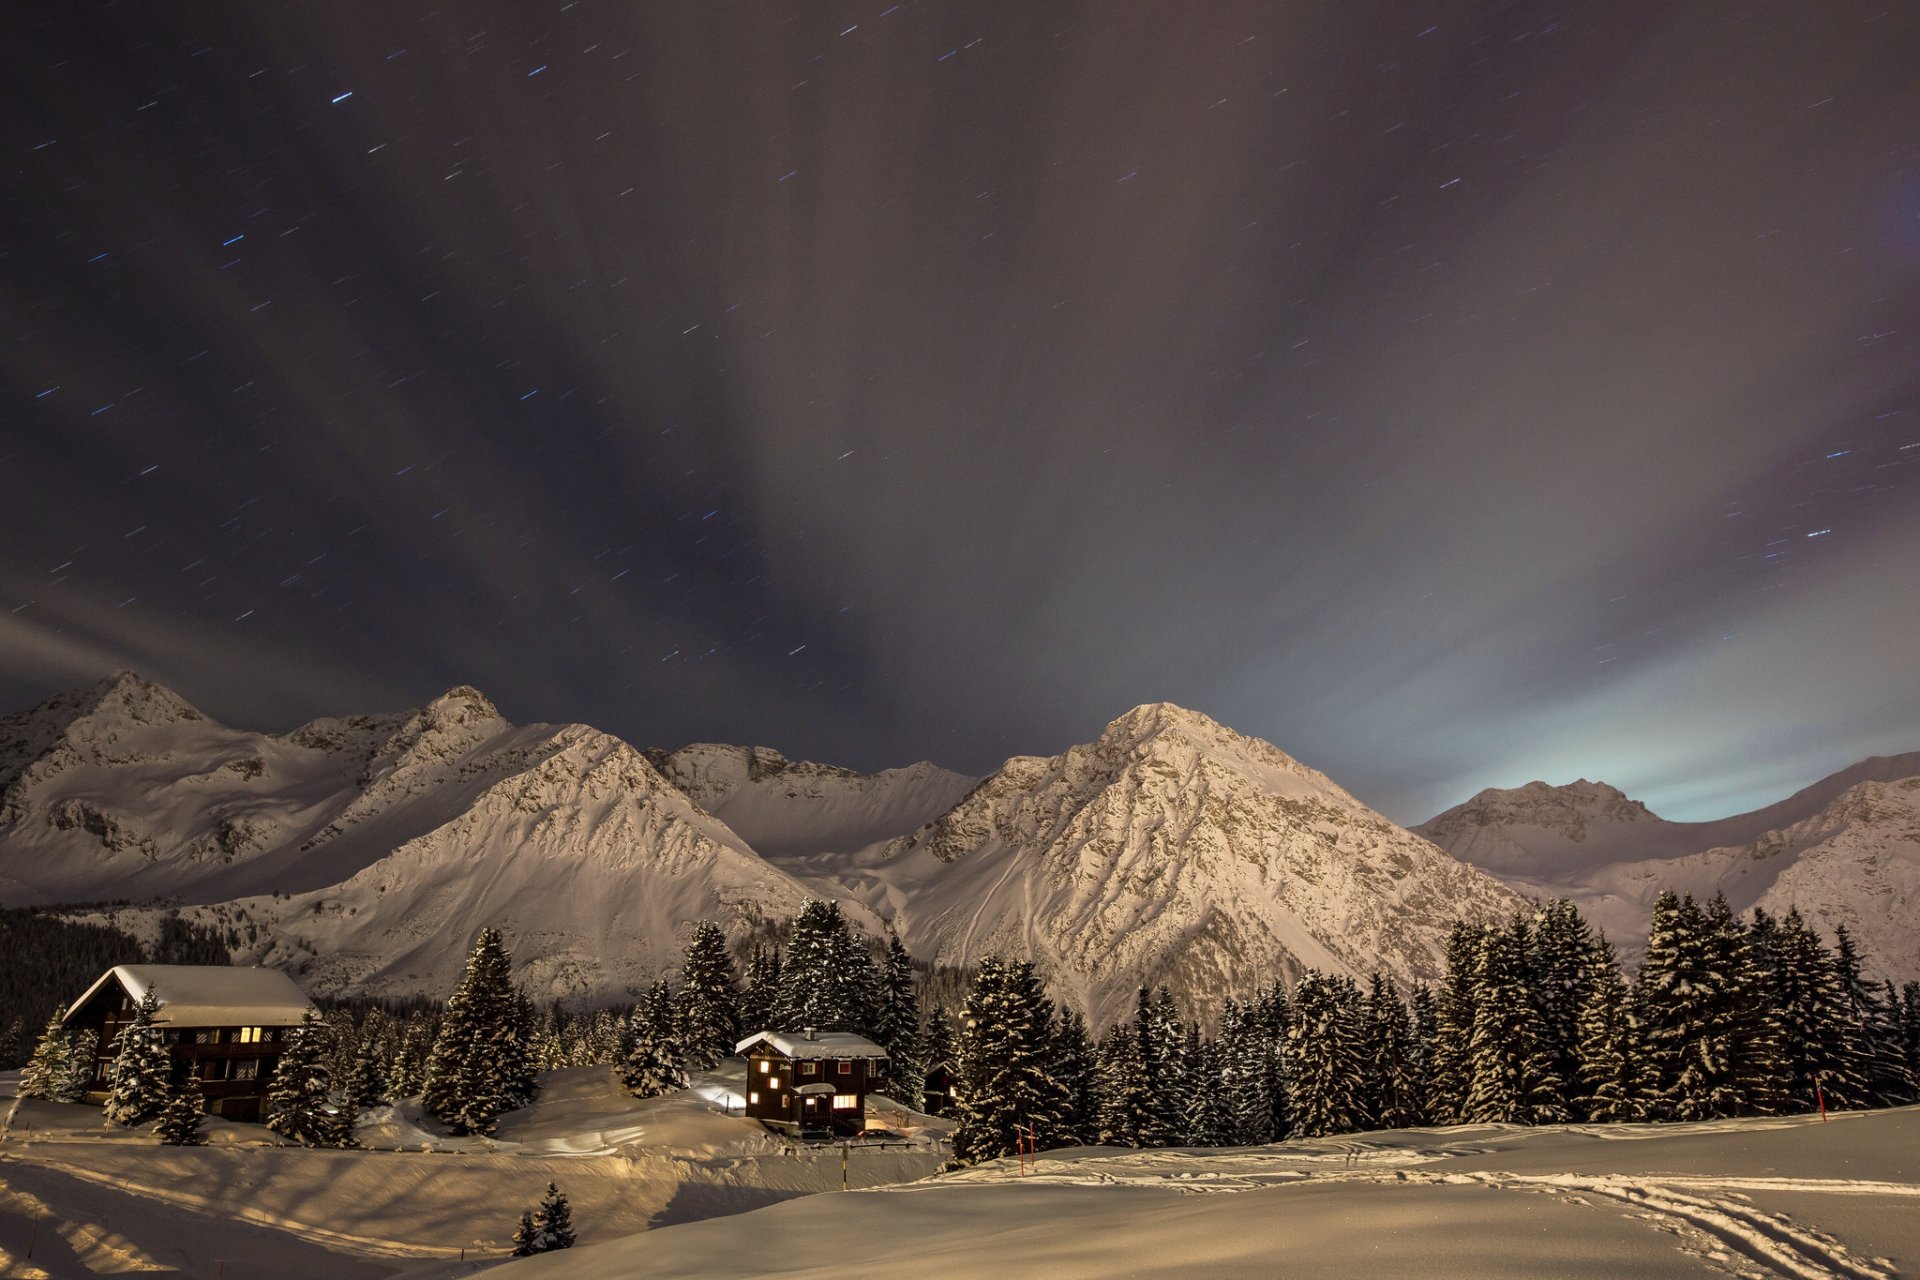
(786, 808)
(1845, 850)
(1169, 850)
(367, 850)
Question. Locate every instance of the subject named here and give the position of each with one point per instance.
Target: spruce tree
(1127, 1115)
(1456, 1010)
(525, 1236)
(827, 978)
(1746, 1021)
(50, 1072)
(1007, 1090)
(1073, 1067)
(655, 1064)
(1561, 949)
(1510, 1057)
(299, 1102)
(1422, 1020)
(761, 992)
(179, 1121)
(1324, 1057)
(708, 1002)
(896, 1025)
(1208, 1119)
(937, 1049)
(1877, 1034)
(140, 1079)
(1247, 1076)
(1820, 1052)
(1608, 1057)
(553, 1222)
(1391, 1092)
(479, 1066)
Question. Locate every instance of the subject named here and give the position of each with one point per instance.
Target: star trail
(1452, 394)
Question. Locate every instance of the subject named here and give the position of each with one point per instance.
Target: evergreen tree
(937, 1049)
(179, 1121)
(762, 991)
(1561, 950)
(1607, 1066)
(1324, 1057)
(50, 1072)
(140, 1079)
(1876, 1032)
(553, 1222)
(1073, 1067)
(896, 1025)
(479, 1066)
(1910, 1029)
(1391, 1092)
(1820, 1054)
(1747, 1022)
(1209, 1121)
(1247, 1075)
(1510, 1058)
(655, 1064)
(366, 1085)
(299, 1103)
(408, 1073)
(708, 1003)
(1422, 1019)
(1007, 1090)
(1456, 1010)
(525, 1236)
(827, 979)
(1127, 1115)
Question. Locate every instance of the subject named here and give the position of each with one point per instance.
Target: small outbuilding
(224, 1027)
(811, 1082)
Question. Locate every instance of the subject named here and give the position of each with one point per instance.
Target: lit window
(753, 1098)
(247, 1035)
(845, 1101)
(765, 1066)
(809, 1068)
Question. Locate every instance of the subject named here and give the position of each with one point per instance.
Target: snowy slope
(1845, 851)
(786, 808)
(1759, 1199)
(1170, 850)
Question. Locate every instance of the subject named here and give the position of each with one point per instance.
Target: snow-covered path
(1763, 1199)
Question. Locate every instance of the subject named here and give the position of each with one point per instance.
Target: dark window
(844, 1066)
(809, 1068)
(246, 1068)
(206, 1035)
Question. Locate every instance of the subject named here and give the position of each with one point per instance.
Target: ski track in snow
(1704, 1212)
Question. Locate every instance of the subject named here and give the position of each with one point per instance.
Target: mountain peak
(462, 704)
(125, 693)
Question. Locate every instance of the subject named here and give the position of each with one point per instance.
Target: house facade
(811, 1081)
(223, 1027)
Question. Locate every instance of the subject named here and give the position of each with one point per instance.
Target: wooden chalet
(225, 1027)
(812, 1082)
(936, 1094)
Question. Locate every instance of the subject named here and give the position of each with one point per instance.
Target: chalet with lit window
(224, 1027)
(812, 1082)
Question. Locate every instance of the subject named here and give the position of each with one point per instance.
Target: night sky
(1451, 393)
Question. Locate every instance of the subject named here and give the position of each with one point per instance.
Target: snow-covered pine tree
(553, 1222)
(1820, 1052)
(525, 1236)
(1878, 1034)
(178, 1124)
(937, 1047)
(1561, 947)
(1910, 1028)
(408, 1071)
(655, 1064)
(1608, 1058)
(761, 991)
(1005, 1070)
(366, 1083)
(1271, 1011)
(896, 1025)
(1391, 1091)
(1126, 1115)
(49, 1072)
(1510, 1060)
(814, 992)
(1246, 1077)
(1754, 1074)
(1209, 1120)
(1455, 1009)
(299, 1102)
(1073, 1067)
(1323, 1057)
(140, 1080)
(478, 1067)
(84, 1056)
(708, 1002)
(1421, 1019)
(1906, 1085)
(1688, 1023)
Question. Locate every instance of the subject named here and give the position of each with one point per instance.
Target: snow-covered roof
(205, 995)
(823, 1044)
